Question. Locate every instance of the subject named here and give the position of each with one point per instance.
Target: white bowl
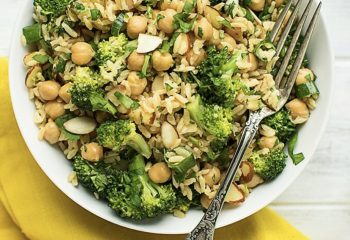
(52, 161)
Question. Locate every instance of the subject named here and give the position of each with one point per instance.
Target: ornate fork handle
(205, 228)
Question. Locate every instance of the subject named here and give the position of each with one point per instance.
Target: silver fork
(206, 227)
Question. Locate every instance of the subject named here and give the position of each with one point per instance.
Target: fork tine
(291, 47)
(287, 28)
(301, 54)
(279, 22)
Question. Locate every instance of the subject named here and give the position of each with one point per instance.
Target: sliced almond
(212, 15)
(158, 84)
(255, 181)
(247, 171)
(32, 76)
(169, 135)
(80, 125)
(148, 43)
(234, 195)
(182, 44)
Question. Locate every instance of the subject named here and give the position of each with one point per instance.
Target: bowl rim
(126, 224)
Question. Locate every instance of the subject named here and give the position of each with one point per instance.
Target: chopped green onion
(307, 89)
(143, 72)
(32, 33)
(249, 15)
(118, 25)
(189, 6)
(60, 122)
(183, 23)
(180, 169)
(231, 8)
(46, 46)
(168, 87)
(126, 101)
(149, 12)
(159, 17)
(165, 47)
(225, 22)
(95, 14)
(42, 59)
(298, 157)
(265, 51)
(78, 6)
(200, 32)
(60, 66)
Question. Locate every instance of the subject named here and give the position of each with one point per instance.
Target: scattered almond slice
(247, 171)
(80, 125)
(234, 195)
(169, 135)
(255, 181)
(148, 43)
(31, 78)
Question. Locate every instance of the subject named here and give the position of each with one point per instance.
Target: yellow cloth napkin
(31, 207)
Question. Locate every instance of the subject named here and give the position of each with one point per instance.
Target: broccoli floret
(269, 165)
(110, 184)
(118, 134)
(213, 119)
(111, 55)
(282, 124)
(53, 8)
(87, 93)
(215, 77)
(155, 199)
(130, 193)
(93, 176)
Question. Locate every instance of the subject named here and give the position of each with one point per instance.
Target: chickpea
(135, 61)
(64, 92)
(159, 173)
(166, 24)
(101, 116)
(230, 42)
(213, 176)
(257, 5)
(51, 132)
(268, 142)
(136, 25)
(92, 152)
(304, 75)
(137, 84)
(297, 109)
(195, 59)
(236, 33)
(172, 4)
(253, 61)
(48, 90)
(215, 38)
(279, 2)
(203, 29)
(205, 201)
(162, 61)
(82, 53)
(54, 109)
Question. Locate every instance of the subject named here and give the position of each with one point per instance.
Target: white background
(318, 203)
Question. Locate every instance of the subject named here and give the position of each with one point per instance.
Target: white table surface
(318, 202)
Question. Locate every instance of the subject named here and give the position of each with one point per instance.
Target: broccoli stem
(137, 142)
(231, 66)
